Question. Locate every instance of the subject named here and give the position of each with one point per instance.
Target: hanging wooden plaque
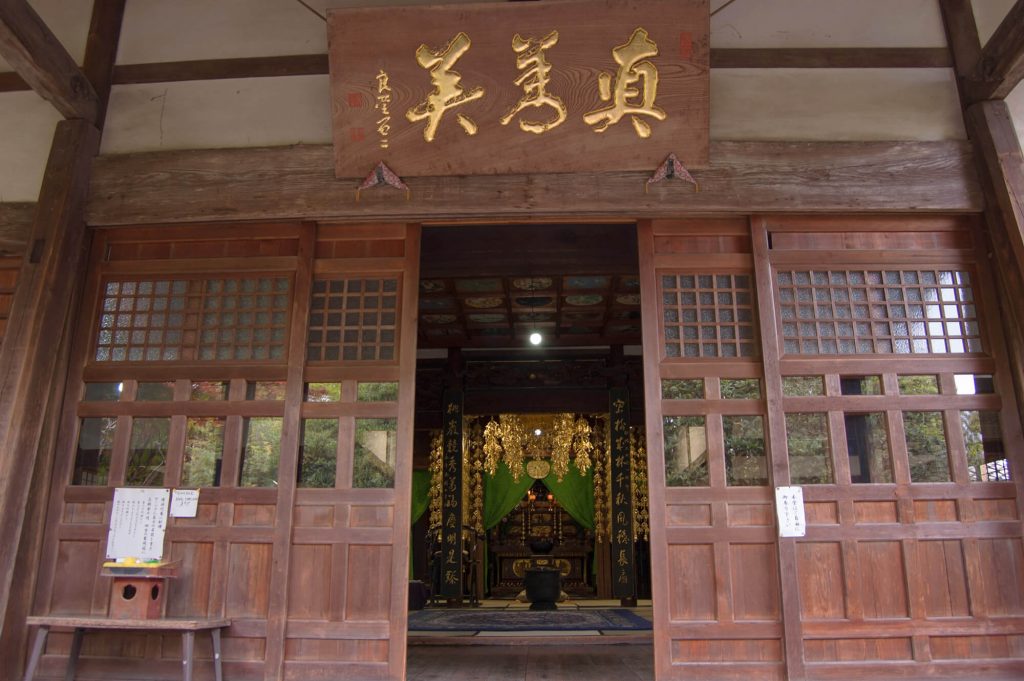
(554, 86)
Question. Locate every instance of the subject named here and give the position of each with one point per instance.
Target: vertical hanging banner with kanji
(451, 496)
(558, 86)
(623, 568)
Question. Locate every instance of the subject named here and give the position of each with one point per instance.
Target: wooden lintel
(15, 226)
(744, 177)
(721, 58)
(831, 58)
(1001, 66)
(35, 53)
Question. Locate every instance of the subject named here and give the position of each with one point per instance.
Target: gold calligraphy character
(451, 577)
(622, 560)
(448, 93)
(623, 579)
(621, 537)
(633, 68)
(534, 80)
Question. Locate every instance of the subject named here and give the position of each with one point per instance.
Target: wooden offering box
(139, 590)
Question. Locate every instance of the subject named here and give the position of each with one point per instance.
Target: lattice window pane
(708, 315)
(228, 319)
(861, 312)
(353, 320)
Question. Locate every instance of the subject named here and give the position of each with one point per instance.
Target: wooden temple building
(718, 303)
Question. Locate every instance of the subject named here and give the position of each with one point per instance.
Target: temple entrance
(529, 458)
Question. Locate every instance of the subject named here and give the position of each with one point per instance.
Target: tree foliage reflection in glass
(686, 451)
(204, 449)
(810, 460)
(926, 446)
(147, 456)
(95, 445)
(262, 452)
(376, 452)
(745, 461)
(318, 457)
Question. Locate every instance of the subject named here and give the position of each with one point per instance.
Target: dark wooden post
(33, 361)
(451, 495)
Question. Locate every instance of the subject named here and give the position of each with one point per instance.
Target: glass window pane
(102, 392)
(209, 391)
(95, 445)
(867, 443)
(686, 451)
(802, 386)
(687, 389)
(377, 392)
(204, 449)
(265, 390)
(810, 461)
(741, 388)
(155, 392)
(262, 452)
(147, 455)
(860, 385)
(983, 439)
(926, 446)
(974, 384)
(376, 452)
(919, 385)
(319, 453)
(323, 392)
(745, 461)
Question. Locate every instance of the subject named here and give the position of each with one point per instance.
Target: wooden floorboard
(629, 662)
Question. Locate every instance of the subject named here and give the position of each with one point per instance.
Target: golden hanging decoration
(638, 470)
(436, 480)
(601, 480)
(476, 467)
(561, 438)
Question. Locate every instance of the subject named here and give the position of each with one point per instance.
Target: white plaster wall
(827, 23)
(69, 21)
(1016, 103)
(834, 104)
(988, 14)
(249, 112)
(23, 153)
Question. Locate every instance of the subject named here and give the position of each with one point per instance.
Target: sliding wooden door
(272, 367)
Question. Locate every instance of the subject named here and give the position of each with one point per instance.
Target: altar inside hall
(535, 491)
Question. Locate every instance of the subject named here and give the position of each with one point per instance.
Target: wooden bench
(187, 627)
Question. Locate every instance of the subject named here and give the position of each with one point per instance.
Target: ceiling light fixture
(536, 338)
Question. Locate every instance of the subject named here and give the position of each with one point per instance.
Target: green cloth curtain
(420, 494)
(420, 504)
(502, 493)
(575, 493)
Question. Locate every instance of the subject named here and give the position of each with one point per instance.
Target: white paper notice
(137, 523)
(184, 503)
(789, 504)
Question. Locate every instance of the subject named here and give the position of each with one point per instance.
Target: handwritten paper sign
(137, 523)
(789, 504)
(184, 503)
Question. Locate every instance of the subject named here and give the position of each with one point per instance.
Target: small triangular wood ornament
(382, 175)
(671, 167)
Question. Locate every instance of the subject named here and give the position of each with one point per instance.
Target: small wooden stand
(139, 591)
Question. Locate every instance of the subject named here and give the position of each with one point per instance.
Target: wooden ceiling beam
(721, 58)
(1001, 67)
(744, 177)
(15, 226)
(27, 43)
